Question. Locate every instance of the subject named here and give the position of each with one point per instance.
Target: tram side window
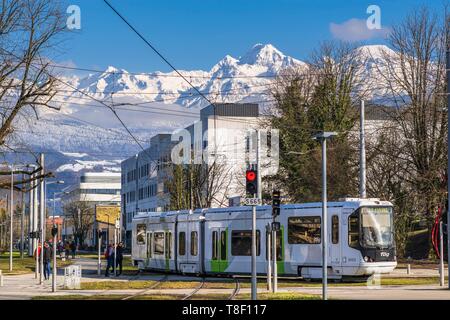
(304, 230)
(182, 243)
(140, 233)
(223, 245)
(279, 248)
(214, 245)
(241, 243)
(353, 230)
(194, 243)
(335, 229)
(158, 243)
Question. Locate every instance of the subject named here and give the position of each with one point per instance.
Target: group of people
(67, 248)
(111, 255)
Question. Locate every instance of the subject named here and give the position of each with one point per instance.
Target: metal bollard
(1, 278)
(408, 269)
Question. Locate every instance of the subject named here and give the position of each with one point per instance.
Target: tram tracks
(142, 292)
(236, 289)
(197, 289)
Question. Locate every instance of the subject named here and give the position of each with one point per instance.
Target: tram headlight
(366, 259)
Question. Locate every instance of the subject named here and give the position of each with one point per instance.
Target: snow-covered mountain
(84, 135)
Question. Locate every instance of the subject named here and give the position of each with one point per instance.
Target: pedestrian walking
(73, 247)
(60, 248)
(47, 257)
(119, 258)
(67, 250)
(109, 255)
(37, 254)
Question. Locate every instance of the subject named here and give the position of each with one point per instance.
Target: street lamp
(54, 232)
(322, 137)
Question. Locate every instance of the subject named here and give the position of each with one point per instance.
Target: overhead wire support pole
(42, 219)
(362, 154)
(11, 211)
(448, 149)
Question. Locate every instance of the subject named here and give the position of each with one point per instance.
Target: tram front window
(376, 227)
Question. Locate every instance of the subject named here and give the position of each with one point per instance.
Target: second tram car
(218, 241)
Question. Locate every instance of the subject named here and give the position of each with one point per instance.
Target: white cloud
(356, 30)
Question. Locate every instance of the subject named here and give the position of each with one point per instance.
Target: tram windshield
(376, 227)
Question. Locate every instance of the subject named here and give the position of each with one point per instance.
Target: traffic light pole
(276, 210)
(274, 260)
(259, 196)
(254, 280)
(269, 257)
(55, 234)
(99, 243)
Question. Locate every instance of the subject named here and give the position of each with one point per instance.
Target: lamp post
(323, 137)
(54, 233)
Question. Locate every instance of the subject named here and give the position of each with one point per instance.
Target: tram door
(334, 253)
(219, 249)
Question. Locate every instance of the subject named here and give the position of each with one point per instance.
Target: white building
(220, 136)
(94, 188)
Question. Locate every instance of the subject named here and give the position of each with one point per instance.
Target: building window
(241, 243)
(304, 230)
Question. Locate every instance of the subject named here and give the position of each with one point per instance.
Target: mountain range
(84, 135)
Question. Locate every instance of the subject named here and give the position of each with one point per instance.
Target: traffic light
(276, 202)
(251, 177)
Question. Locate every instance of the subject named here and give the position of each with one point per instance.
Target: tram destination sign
(252, 201)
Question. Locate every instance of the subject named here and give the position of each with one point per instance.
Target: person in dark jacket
(47, 257)
(119, 259)
(109, 255)
(73, 247)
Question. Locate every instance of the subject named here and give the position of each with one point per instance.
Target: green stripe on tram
(220, 265)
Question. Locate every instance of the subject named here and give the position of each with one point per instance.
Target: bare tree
(320, 96)
(414, 76)
(29, 29)
(198, 185)
(81, 218)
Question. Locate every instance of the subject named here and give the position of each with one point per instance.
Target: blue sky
(195, 34)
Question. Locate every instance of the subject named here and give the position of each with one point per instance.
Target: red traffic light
(250, 175)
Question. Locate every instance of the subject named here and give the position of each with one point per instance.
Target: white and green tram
(218, 240)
